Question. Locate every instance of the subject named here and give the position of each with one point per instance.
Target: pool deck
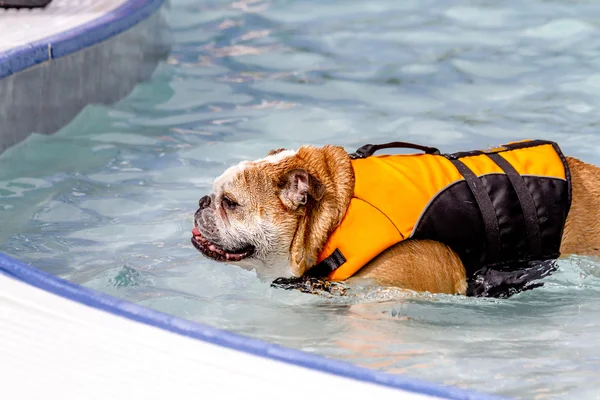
(20, 27)
(57, 60)
(33, 36)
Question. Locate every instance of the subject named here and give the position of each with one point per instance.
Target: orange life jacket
(493, 208)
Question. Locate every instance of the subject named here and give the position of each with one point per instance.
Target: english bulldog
(492, 224)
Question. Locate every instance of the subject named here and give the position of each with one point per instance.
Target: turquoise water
(108, 201)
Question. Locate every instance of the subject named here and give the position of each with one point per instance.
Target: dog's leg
(582, 230)
(419, 265)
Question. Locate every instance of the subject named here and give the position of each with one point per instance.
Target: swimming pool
(107, 202)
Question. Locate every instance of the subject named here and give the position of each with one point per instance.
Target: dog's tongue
(196, 231)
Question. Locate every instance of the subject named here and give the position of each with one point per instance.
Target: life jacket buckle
(363, 152)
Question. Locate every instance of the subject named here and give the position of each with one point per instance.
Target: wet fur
(582, 230)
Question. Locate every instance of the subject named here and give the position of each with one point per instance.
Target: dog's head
(260, 213)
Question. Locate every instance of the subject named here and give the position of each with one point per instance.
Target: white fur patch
(229, 174)
(233, 171)
(275, 158)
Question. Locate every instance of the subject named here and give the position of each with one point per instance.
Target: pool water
(108, 201)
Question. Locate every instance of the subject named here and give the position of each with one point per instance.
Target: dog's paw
(312, 285)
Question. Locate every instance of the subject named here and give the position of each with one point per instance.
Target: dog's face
(252, 215)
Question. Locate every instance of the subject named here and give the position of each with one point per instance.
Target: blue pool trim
(122, 18)
(50, 283)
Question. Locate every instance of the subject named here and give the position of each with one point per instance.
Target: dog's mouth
(211, 250)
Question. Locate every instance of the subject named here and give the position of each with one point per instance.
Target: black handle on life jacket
(370, 149)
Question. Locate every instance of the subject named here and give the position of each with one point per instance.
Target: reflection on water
(108, 201)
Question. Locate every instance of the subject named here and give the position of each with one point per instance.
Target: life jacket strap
(328, 265)
(369, 149)
(486, 207)
(530, 216)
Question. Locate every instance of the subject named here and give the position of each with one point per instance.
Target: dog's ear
(273, 152)
(297, 186)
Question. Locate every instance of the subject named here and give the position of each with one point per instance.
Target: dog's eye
(228, 203)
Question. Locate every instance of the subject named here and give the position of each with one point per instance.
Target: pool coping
(109, 25)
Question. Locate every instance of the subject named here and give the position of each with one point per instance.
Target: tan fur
(331, 166)
(419, 265)
(582, 230)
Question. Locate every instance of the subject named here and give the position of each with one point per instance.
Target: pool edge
(32, 276)
(68, 42)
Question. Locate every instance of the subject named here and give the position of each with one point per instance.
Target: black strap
(526, 144)
(532, 223)
(532, 143)
(499, 149)
(490, 221)
(328, 265)
(369, 149)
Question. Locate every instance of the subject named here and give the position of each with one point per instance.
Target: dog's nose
(204, 202)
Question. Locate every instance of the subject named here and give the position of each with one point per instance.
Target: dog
(487, 223)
